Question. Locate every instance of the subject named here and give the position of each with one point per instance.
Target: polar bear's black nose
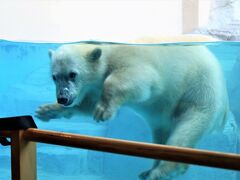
(62, 100)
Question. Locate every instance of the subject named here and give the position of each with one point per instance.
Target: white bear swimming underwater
(179, 90)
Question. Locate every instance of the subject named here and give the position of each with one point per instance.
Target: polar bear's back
(179, 38)
(165, 59)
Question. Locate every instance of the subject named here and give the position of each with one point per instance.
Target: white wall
(72, 20)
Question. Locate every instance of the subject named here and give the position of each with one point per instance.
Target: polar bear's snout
(64, 96)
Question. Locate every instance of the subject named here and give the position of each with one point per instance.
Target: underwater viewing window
(23, 91)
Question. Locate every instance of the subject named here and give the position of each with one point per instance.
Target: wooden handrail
(147, 150)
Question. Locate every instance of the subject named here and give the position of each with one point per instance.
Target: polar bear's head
(76, 69)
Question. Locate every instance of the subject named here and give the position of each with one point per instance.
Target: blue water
(25, 83)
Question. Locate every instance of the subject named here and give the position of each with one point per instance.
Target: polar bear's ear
(50, 53)
(94, 54)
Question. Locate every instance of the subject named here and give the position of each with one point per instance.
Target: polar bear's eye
(72, 75)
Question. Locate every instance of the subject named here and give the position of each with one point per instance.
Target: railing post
(23, 152)
(23, 157)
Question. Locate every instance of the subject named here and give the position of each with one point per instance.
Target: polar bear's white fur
(179, 90)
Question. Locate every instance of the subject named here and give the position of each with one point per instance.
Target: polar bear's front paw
(49, 111)
(102, 113)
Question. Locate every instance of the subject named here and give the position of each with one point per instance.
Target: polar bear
(179, 90)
